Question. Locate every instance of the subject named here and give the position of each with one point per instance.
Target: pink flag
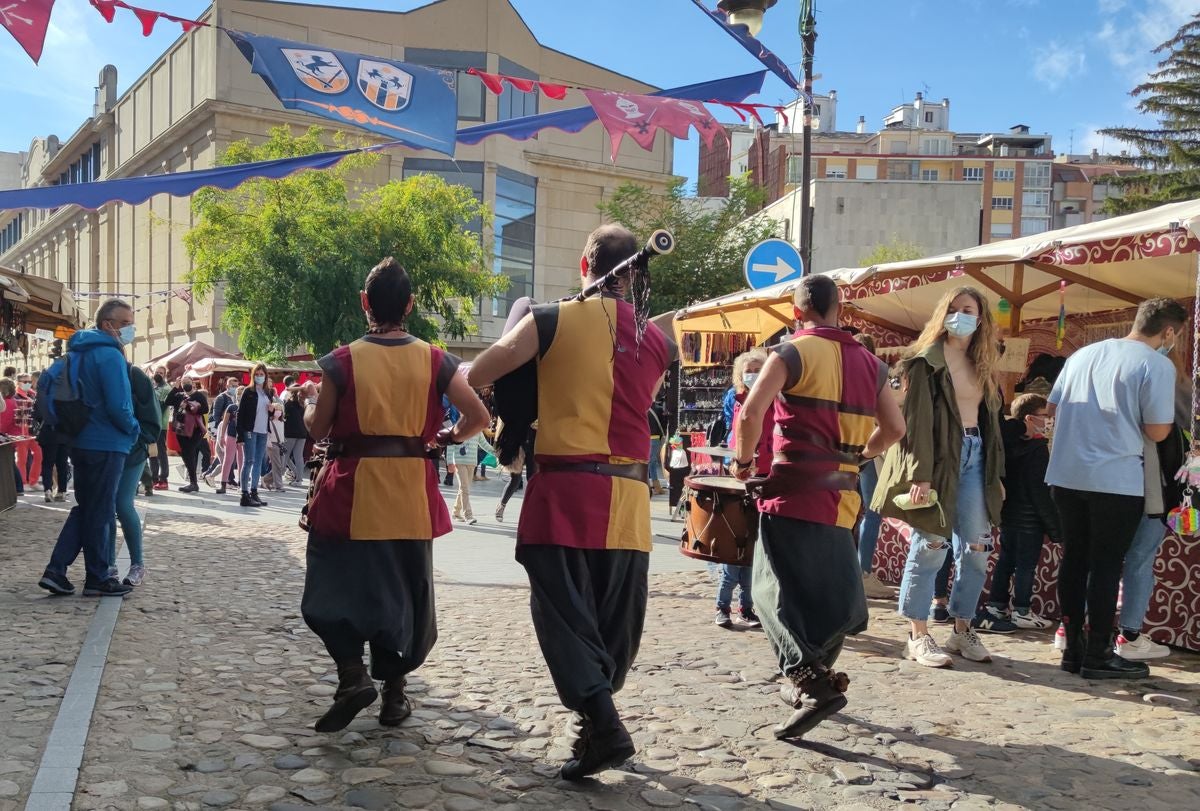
(27, 21)
(640, 117)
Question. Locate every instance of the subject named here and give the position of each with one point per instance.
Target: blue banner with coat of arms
(412, 104)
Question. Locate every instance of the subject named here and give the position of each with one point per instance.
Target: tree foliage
(292, 254)
(710, 243)
(1169, 154)
(897, 250)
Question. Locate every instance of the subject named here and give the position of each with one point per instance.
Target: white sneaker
(876, 589)
(1060, 638)
(1141, 648)
(137, 573)
(1030, 620)
(924, 651)
(967, 645)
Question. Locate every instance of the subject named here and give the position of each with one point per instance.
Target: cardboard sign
(1015, 357)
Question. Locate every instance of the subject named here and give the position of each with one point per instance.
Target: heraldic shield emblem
(384, 85)
(320, 70)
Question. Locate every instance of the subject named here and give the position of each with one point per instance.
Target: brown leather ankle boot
(816, 693)
(396, 706)
(354, 694)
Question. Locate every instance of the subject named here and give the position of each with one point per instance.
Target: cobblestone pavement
(213, 684)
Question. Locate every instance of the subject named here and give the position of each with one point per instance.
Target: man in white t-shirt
(1110, 398)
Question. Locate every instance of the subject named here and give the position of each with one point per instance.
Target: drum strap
(636, 471)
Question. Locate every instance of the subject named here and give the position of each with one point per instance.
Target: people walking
(55, 447)
(29, 453)
(832, 411)
(294, 433)
(252, 421)
(191, 405)
(217, 411)
(99, 451)
(952, 448)
(584, 532)
(1111, 399)
(159, 463)
(376, 507)
(147, 412)
(273, 479)
(231, 455)
(464, 457)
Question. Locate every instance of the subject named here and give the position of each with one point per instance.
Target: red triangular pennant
(148, 19)
(107, 9)
(27, 21)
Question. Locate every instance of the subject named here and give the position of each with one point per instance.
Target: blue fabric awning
(735, 88)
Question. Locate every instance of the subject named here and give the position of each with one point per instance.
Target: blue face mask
(125, 334)
(961, 325)
(1166, 348)
(260, 379)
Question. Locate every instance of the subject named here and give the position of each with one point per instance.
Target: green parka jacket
(931, 449)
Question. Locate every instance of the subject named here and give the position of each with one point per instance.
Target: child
(1029, 513)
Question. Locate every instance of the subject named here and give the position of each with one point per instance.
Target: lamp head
(746, 12)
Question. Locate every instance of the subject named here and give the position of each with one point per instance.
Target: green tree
(1167, 155)
(897, 250)
(293, 254)
(710, 243)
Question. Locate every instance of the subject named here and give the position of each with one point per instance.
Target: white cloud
(1111, 6)
(1129, 38)
(1059, 62)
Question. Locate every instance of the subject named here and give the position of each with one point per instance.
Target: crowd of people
(827, 437)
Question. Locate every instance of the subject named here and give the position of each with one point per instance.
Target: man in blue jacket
(98, 453)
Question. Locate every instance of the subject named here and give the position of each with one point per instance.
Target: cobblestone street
(213, 683)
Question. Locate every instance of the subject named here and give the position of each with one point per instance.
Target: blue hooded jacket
(104, 382)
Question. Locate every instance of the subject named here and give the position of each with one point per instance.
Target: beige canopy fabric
(46, 303)
(1108, 265)
(207, 366)
(181, 356)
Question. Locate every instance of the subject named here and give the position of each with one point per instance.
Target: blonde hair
(742, 361)
(982, 350)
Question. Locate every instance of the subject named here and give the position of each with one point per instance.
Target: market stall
(1092, 274)
(178, 359)
(31, 308)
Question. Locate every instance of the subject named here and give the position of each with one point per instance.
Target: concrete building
(1081, 187)
(200, 95)
(852, 217)
(1010, 170)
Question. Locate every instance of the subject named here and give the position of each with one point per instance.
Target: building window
(1002, 203)
(929, 174)
(468, 88)
(817, 110)
(928, 116)
(1036, 175)
(902, 170)
(515, 226)
(11, 233)
(836, 174)
(514, 103)
(898, 147)
(973, 173)
(795, 166)
(1001, 230)
(1034, 225)
(867, 171)
(1004, 175)
(1035, 204)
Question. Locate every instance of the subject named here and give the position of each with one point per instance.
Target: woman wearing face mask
(29, 454)
(252, 423)
(746, 369)
(191, 406)
(952, 446)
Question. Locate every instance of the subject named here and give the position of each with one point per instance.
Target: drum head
(726, 484)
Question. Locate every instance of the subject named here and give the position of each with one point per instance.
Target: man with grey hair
(97, 358)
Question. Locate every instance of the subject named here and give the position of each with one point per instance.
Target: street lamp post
(808, 39)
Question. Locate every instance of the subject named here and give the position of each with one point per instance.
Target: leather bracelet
(747, 463)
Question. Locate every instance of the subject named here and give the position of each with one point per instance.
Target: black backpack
(60, 404)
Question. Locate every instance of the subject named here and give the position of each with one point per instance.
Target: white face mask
(748, 379)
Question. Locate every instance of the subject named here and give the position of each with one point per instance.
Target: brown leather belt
(636, 471)
(362, 447)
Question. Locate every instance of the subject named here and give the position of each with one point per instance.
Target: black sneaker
(987, 622)
(109, 588)
(57, 584)
(940, 614)
(750, 618)
(723, 620)
(1114, 667)
(189, 488)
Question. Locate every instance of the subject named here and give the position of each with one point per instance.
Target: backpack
(60, 404)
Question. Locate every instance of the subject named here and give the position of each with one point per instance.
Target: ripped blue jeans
(971, 543)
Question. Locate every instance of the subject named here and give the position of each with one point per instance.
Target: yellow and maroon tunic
(823, 419)
(386, 387)
(592, 403)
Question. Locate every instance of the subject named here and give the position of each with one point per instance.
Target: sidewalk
(213, 683)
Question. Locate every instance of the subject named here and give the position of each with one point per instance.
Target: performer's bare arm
(473, 413)
(750, 418)
(890, 424)
(510, 352)
(318, 417)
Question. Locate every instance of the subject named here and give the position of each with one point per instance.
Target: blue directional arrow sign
(772, 261)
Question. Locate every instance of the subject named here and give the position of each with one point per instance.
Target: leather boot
(604, 743)
(396, 706)
(354, 694)
(255, 501)
(577, 732)
(1072, 658)
(816, 693)
(1101, 662)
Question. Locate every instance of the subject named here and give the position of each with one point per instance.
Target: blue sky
(1060, 66)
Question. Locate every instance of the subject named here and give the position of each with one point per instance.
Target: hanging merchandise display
(1184, 520)
(714, 348)
(1060, 331)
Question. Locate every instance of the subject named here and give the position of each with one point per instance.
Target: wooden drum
(722, 521)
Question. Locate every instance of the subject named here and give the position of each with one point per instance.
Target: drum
(722, 521)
